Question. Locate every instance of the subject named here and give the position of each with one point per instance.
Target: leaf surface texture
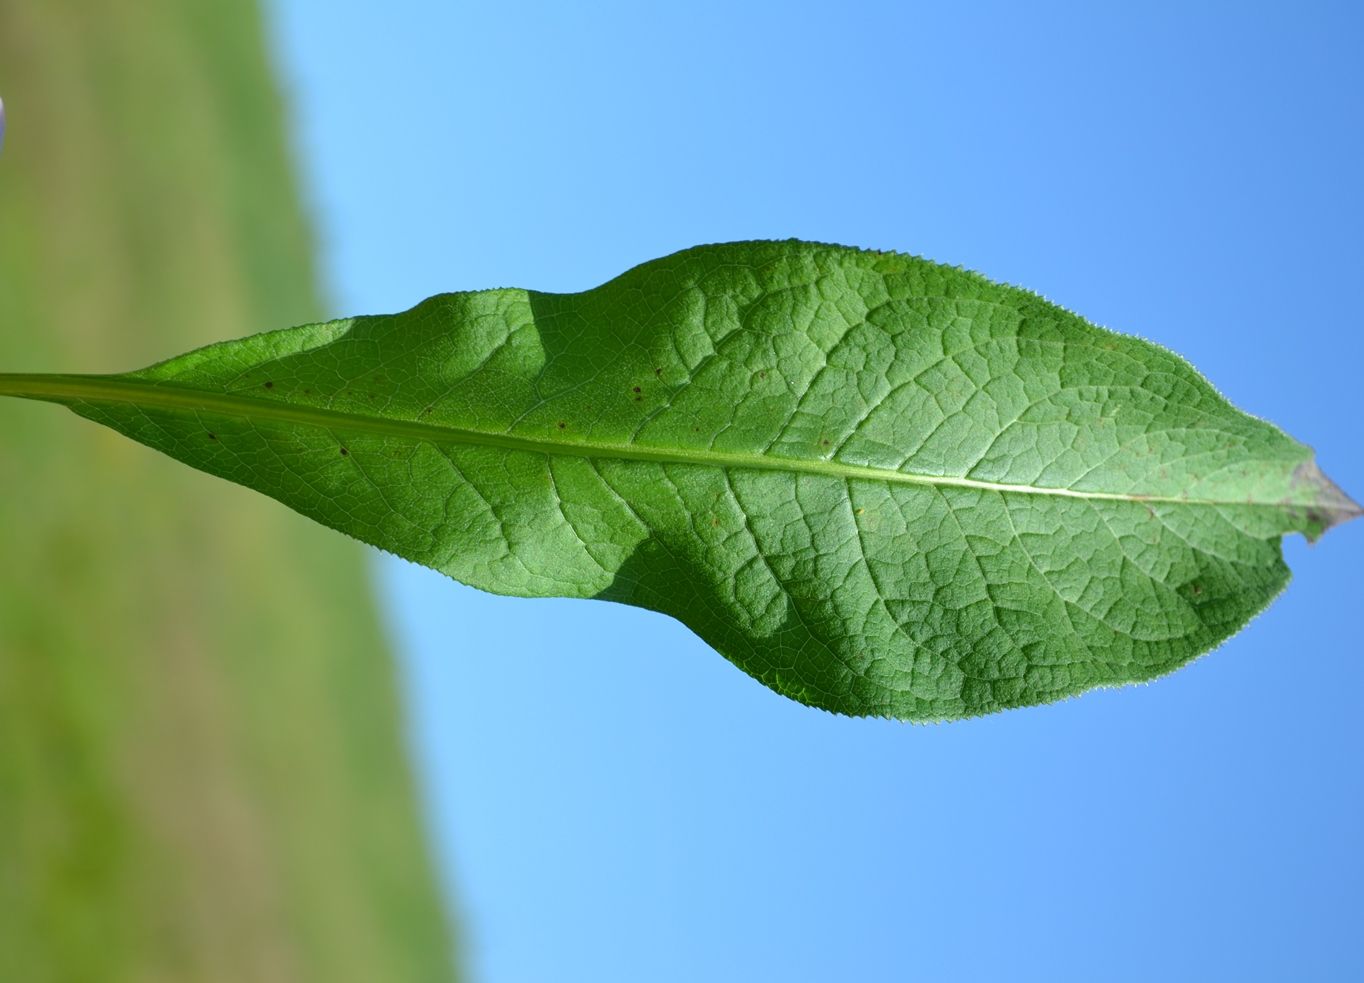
(877, 484)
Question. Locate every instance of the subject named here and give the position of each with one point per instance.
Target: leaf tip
(1330, 505)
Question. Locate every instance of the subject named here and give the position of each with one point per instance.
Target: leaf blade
(876, 484)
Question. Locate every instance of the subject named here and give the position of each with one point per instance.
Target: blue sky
(610, 799)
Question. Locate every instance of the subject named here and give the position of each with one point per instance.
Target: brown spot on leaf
(269, 385)
(562, 424)
(213, 436)
(1326, 504)
(345, 452)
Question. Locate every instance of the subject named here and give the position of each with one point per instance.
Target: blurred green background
(202, 767)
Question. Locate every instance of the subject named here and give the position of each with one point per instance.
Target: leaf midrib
(141, 393)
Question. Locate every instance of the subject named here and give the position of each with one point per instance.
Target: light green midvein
(115, 389)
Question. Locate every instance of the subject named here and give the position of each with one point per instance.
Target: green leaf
(877, 484)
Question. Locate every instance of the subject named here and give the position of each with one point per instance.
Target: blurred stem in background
(202, 771)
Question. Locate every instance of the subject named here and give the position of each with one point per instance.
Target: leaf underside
(879, 485)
